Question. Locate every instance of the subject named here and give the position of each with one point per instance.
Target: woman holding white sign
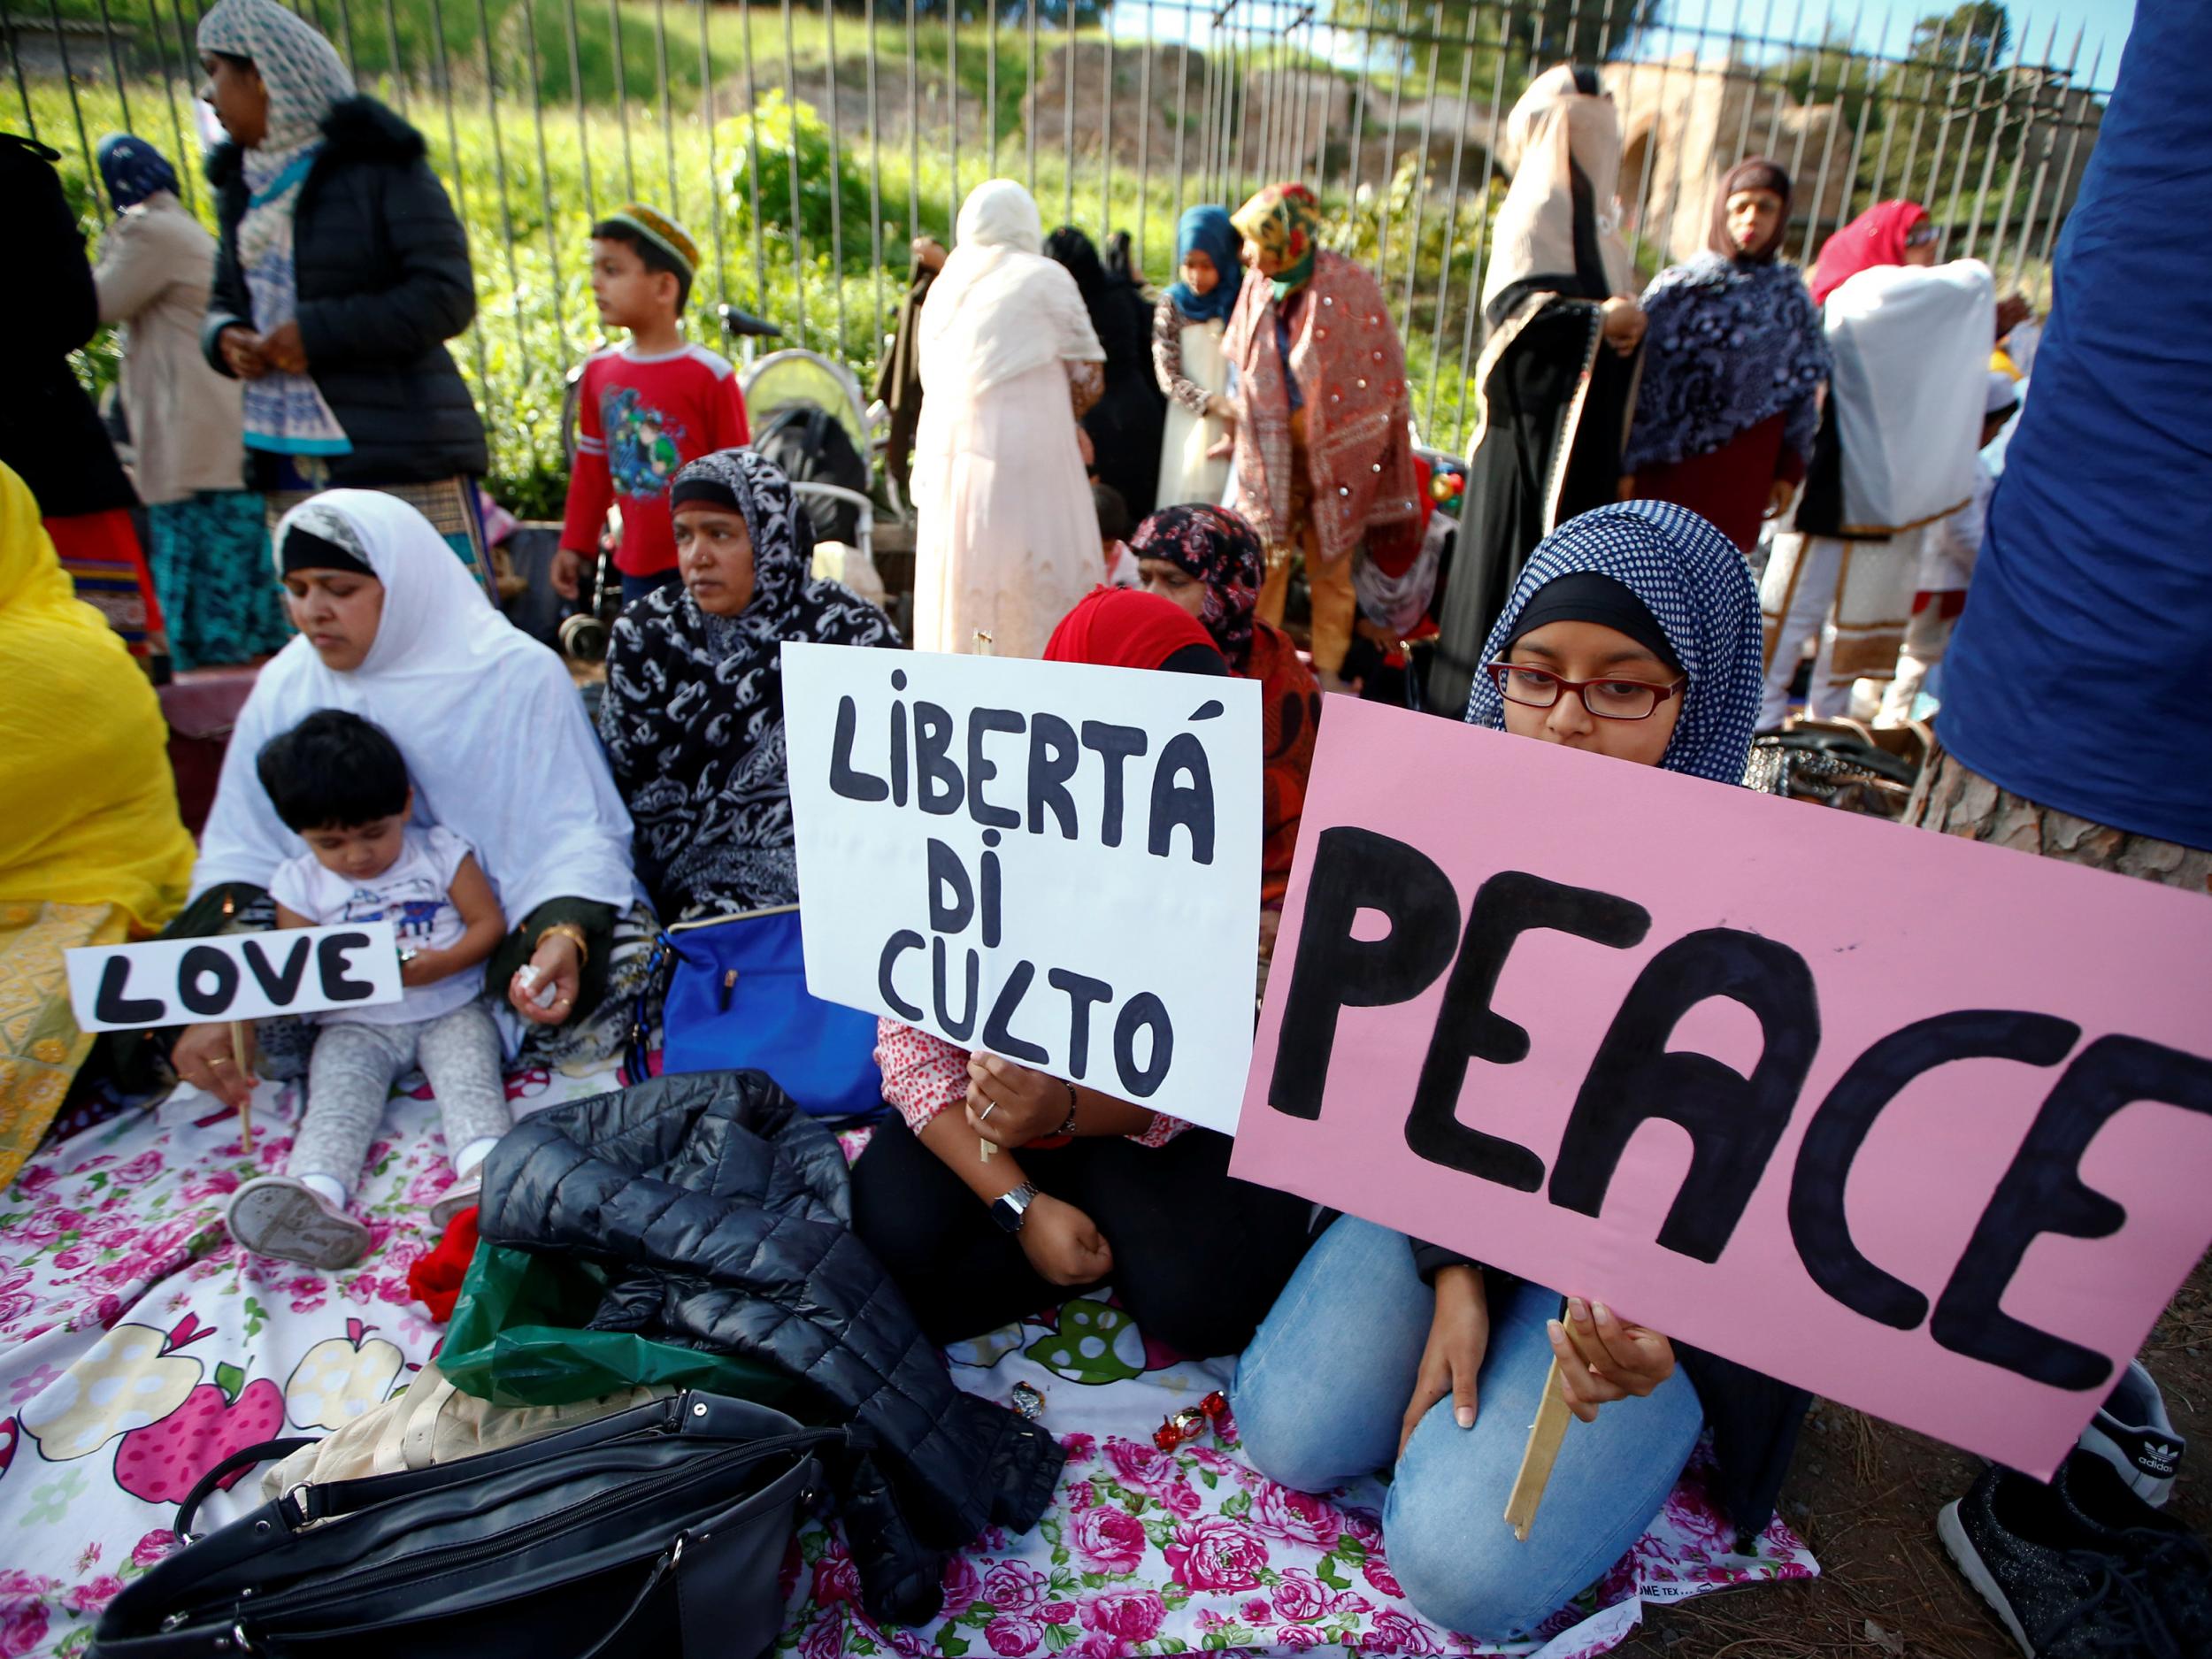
(1633, 633)
(394, 628)
(1080, 1188)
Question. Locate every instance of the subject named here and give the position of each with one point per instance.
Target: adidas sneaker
(2169, 1560)
(2132, 1433)
(2059, 1595)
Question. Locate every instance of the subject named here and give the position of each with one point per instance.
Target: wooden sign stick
(240, 1046)
(1544, 1437)
(984, 646)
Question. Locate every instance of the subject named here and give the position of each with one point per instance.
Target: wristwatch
(1012, 1210)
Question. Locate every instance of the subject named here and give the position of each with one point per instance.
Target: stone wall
(1136, 132)
(1681, 122)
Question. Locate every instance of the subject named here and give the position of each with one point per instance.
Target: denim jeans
(1321, 1390)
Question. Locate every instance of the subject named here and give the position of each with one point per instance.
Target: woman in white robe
(1006, 536)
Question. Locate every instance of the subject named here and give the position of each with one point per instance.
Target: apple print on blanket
(137, 1386)
(132, 1378)
(1096, 1343)
(342, 1376)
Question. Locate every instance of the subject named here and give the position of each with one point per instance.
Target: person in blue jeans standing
(1634, 633)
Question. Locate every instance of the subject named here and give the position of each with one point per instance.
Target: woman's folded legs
(1198, 1256)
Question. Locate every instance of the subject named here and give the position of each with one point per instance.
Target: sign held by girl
(999, 852)
(1917, 1123)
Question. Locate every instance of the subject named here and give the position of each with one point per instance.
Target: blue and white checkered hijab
(1698, 588)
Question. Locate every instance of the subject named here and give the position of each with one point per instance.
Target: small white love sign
(233, 976)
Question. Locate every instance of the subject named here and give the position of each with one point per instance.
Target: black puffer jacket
(721, 1215)
(384, 281)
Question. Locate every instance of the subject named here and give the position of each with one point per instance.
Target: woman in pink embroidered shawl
(1323, 448)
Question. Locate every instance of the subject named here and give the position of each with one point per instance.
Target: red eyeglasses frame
(1499, 670)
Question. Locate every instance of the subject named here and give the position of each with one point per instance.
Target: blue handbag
(737, 1001)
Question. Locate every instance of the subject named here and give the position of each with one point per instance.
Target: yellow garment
(91, 849)
(91, 805)
(2001, 362)
(41, 1047)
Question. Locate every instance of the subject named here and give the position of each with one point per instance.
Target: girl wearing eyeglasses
(1634, 633)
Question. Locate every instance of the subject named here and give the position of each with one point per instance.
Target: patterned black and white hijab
(693, 715)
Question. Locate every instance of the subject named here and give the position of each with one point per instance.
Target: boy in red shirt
(646, 407)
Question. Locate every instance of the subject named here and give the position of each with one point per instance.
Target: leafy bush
(767, 143)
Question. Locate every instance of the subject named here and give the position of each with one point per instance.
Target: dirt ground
(1864, 1494)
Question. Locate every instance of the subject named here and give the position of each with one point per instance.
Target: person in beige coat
(208, 543)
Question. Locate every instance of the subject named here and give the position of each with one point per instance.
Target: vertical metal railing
(1986, 126)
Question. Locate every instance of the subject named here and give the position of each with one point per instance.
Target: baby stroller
(794, 398)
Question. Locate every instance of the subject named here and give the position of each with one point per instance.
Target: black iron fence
(806, 142)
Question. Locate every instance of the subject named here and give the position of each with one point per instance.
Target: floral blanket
(138, 1347)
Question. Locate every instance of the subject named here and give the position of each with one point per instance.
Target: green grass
(578, 54)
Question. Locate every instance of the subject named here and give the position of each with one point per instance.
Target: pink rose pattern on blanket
(137, 1345)
(1147, 1552)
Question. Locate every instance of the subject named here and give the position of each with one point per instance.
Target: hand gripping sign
(1917, 1123)
(1055, 863)
(234, 977)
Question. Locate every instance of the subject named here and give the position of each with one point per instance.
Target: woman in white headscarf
(1007, 538)
(1557, 377)
(496, 738)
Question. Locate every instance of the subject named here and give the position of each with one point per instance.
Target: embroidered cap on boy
(662, 231)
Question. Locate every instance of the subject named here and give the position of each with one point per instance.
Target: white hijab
(1000, 308)
(488, 721)
(1556, 123)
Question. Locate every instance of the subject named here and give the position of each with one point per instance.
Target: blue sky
(2100, 20)
(1889, 22)
(1885, 23)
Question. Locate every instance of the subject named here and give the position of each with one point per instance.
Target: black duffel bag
(655, 1531)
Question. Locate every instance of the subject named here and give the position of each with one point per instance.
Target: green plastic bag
(517, 1338)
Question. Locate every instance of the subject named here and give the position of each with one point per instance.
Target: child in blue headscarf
(133, 170)
(1187, 330)
(207, 542)
(1633, 632)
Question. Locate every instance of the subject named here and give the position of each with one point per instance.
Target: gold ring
(984, 1116)
(221, 1059)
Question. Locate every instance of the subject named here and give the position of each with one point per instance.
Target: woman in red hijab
(1125, 627)
(1084, 1189)
(1856, 566)
(1209, 563)
(1888, 233)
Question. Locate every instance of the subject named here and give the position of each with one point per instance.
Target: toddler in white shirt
(340, 783)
